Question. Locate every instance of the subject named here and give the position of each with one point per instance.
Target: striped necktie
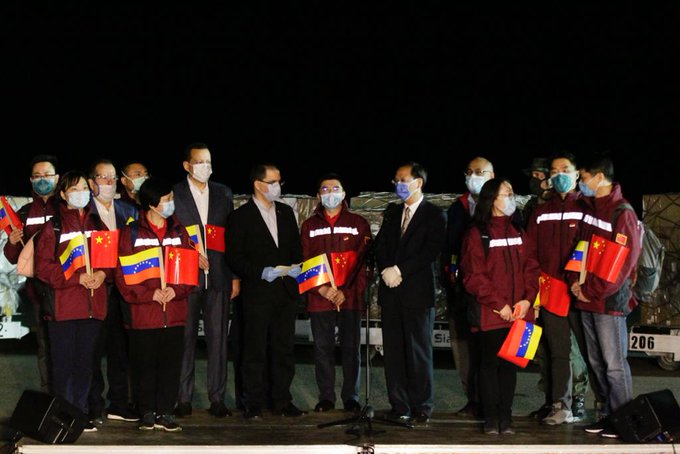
(407, 219)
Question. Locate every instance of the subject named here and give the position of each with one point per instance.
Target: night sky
(355, 89)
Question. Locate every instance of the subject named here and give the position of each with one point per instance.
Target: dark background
(354, 88)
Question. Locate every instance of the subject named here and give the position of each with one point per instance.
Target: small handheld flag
(181, 266)
(521, 343)
(343, 264)
(553, 295)
(214, 238)
(104, 249)
(141, 266)
(73, 257)
(195, 237)
(9, 220)
(315, 272)
(577, 261)
(606, 258)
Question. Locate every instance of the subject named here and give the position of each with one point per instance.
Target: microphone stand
(362, 422)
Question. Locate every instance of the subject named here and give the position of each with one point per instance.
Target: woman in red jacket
(76, 304)
(156, 315)
(503, 278)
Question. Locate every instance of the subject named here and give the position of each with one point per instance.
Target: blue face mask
(585, 190)
(43, 186)
(562, 182)
(403, 191)
(331, 200)
(167, 209)
(78, 199)
(510, 206)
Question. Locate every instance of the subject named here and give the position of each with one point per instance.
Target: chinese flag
(606, 258)
(104, 249)
(343, 264)
(181, 266)
(553, 295)
(9, 219)
(214, 237)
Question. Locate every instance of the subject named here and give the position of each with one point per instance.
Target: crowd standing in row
(489, 256)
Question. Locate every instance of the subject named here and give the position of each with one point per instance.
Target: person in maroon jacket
(605, 304)
(78, 303)
(156, 315)
(503, 277)
(44, 179)
(345, 238)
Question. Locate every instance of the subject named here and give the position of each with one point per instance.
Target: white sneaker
(558, 415)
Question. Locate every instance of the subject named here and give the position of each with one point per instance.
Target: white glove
(391, 276)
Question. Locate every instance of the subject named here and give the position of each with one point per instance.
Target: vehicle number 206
(641, 342)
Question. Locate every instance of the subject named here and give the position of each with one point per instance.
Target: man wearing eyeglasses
(200, 201)
(408, 245)
(112, 341)
(345, 238)
(33, 215)
(479, 170)
(263, 248)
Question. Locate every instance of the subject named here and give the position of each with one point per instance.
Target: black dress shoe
(219, 410)
(253, 413)
(291, 411)
(352, 405)
(183, 409)
(324, 405)
(420, 417)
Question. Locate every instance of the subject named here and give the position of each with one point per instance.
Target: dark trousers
(112, 343)
(212, 305)
(72, 345)
(156, 357)
(236, 341)
(273, 320)
(33, 291)
(497, 377)
(407, 344)
(557, 345)
(577, 328)
(349, 332)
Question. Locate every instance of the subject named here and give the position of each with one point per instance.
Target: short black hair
(329, 176)
(259, 171)
(417, 170)
(599, 163)
(563, 155)
(193, 146)
(152, 190)
(93, 168)
(44, 158)
(69, 179)
(126, 167)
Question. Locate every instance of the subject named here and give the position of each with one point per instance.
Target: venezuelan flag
(73, 256)
(141, 266)
(521, 343)
(575, 262)
(193, 231)
(315, 272)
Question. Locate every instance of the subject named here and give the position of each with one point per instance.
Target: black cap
(537, 164)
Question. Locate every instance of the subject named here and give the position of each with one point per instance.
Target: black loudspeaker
(47, 418)
(649, 417)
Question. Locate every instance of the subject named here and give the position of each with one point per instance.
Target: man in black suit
(407, 246)
(206, 204)
(263, 238)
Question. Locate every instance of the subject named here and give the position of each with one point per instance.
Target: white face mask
(474, 183)
(201, 171)
(78, 199)
(332, 200)
(136, 182)
(274, 191)
(167, 209)
(106, 192)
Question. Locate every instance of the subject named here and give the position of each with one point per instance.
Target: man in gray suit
(206, 204)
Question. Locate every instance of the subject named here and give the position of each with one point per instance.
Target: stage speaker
(652, 417)
(47, 418)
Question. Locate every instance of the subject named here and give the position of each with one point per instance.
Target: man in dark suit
(112, 341)
(206, 204)
(407, 247)
(263, 241)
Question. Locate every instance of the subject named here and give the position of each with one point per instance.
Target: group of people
(493, 257)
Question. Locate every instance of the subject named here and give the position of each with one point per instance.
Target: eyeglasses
(478, 172)
(106, 178)
(42, 177)
(327, 189)
(281, 183)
